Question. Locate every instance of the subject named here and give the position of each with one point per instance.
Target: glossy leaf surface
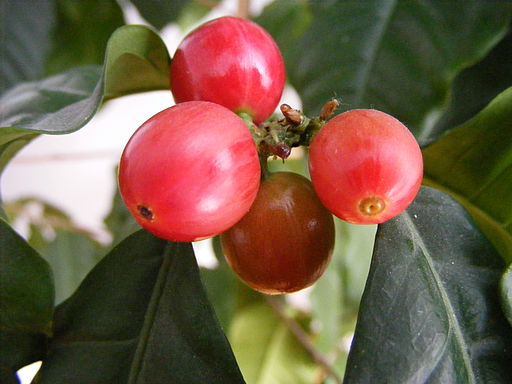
(396, 56)
(65, 102)
(43, 37)
(24, 50)
(430, 311)
(26, 301)
(506, 293)
(152, 316)
(474, 164)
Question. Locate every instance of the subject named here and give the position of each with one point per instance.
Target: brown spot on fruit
(145, 212)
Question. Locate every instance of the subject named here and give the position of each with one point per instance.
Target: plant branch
(302, 337)
(243, 10)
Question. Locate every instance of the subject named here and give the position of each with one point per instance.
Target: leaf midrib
(454, 326)
(151, 313)
(374, 49)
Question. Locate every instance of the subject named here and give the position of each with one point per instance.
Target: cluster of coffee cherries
(199, 169)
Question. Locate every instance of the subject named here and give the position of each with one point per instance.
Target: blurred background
(435, 66)
(61, 187)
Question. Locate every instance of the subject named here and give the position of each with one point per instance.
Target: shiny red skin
(285, 241)
(229, 61)
(365, 154)
(195, 167)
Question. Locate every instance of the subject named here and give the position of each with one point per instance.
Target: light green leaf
(72, 256)
(266, 350)
(474, 164)
(220, 286)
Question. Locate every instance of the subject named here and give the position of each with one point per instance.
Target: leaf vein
(454, 326)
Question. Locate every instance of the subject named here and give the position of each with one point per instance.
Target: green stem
(265, 173)
(303, 338)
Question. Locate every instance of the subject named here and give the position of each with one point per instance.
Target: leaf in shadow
(45, 37)
(26, 301)
(81, 34)
(396, 56)
(476, 86)
(140, 316)
(24, 49)
(160, 13)
(430, 311)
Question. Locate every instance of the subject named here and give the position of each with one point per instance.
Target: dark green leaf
(26, 300)
(27, 288)
(8, 377)
(506, 293)
(24, 36)
(136, 61)
(20, 348)
(287, 21)
(81, 34)
(396, 56)
(160, 13)
(476, 86)
(141, 316)
(49, 36)
(474, 164)
(430, 311)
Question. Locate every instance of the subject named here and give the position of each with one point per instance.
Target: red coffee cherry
(285, 241)
(366, 166)
(229, 61)
(190, 172)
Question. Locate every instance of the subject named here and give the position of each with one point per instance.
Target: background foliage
(435, 304)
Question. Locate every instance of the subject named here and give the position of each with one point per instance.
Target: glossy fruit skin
(285, 241)
(365, 166)
(229, 61)
(190, 172)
